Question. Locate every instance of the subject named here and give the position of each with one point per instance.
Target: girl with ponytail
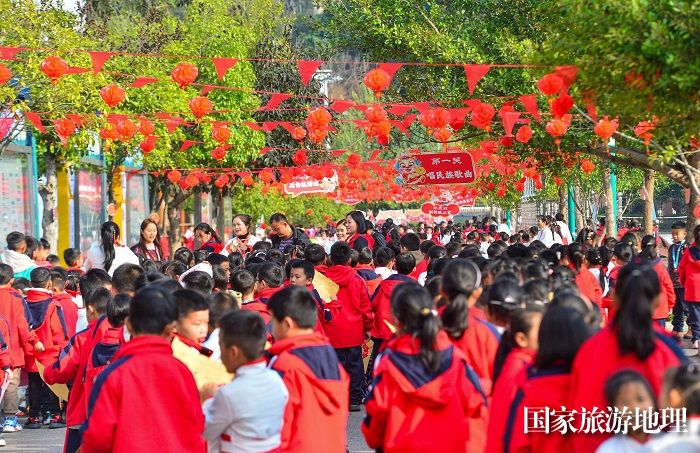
(586, 282)
(209, 239)
(668, 293)
(632, 341)
(109, 253)
(422, 384)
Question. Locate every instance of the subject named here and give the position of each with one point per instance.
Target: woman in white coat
(110, 253)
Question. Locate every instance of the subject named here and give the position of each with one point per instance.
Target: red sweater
(381, 305)
(12, 309)
(49, 324)
(588, 286)
(689, 273)
(70, 311)
(511, 377)
(668, 293)
(316, 414)
(599, 358)
(412, 409)
(349, 324)
(134, 385)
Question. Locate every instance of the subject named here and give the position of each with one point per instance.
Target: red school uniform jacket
(546, 388)
(102, 354)
(381, 305)
(70, 367)
(589, 286)
(410, 408)
(689, 273)
(5, 358)
(510, 378)
(12, 310)
(48, 322)
(316, 414)
(372, 280)
(70, 311)
(668, 293)
(588, 382)
(135, 384)
(421, 267)
(354, 316)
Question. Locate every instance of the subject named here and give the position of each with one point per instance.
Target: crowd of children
(444, 335)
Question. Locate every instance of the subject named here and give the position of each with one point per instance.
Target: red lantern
(505, 142)
(146, 127)
(112, 95)
(266, 176)
(436, 118)
(191, 180)
(318, 118)
(556, 128)
(221, 133)
(299, 158)
(218, 153)
(376, 113)
(5, 74)
(174, 176)
(126, 129)
(184, 74)
(550, 84)
(109, 132)
(562, 105)
(481, 116)
(148, 144)
(298, 134)
(524, 134)
(377, 80)
(183, 184)
(247, 181)
(54, 68)
(64, 128)
(200, 106)
(221, 181)
(587, 166)
(354, 159)
(318, 135)
(442, 135)
(605, 128)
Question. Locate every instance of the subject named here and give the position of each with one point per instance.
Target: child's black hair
(33, 246)
(243, 281)
(469, 251)
(315, 254)
(70, 256)
(572, 299)
(562, 277)
(405, 263)
(220, 278)
(576, 254)
(147, 278)
(220, 304)
(304, 265)
(14, 240)
(262, 245)
(215, 259)
(679, 225)
(341, 253)
(272, 274)
(365, 255)
(562, 332)
(124, 277)
(354, 258)
(58, 280)
(686, 380)
(94, 278)
(118, 309)
(496, 249)
(40, 277)
(99, 299)
(173, 269)
(199, 281)
(151, 310)
(200, 255)
(618, 380)
(536, 270)
(235, 260)
(53, 259)
(504, 297)
(296, 303)
(636, 288)
(536, 291)
(460, 278)
(383, 257)
(410, 241)
(244, 329)
(275, 256)
(425, 246)
(522, 321)
(649, 247)
(189, 301)
(21, 284)
(150, 265)
(6, 273)
(412, 307)
(184, 255)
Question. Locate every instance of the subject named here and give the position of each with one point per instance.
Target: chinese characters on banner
(300, 185)
(437, 210)
(435, 169)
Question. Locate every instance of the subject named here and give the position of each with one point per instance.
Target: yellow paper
(204, 369)
(326, 287)
(60, 390)
(391, 327)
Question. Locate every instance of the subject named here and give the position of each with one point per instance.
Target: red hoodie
(5, 359)
(12, 309)
(102, 354)
(599, 358)
(547, 388)
(412, 409)
(689, 273)
(381, 305)
(668, 293)
(508, 382)
(49, 324)
(134, 386)
(609, 299)
(70, 366)
(354, 318)
(70, 311)
(316, 414)
(259, 305)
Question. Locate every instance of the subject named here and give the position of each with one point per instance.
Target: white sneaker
(696, 344)
(2, 442)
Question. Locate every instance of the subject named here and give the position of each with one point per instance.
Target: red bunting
(399, 109)
(307, 69)
(35, 119)
(287, 125)
(530, 103)
(77, 70)
(265, 150)
(143, 81)
(99, 59)
(375, 154)
(8, 53)
(341, 106)
(222, 65)
(591, 109)
(187, 144)
(509, 120)
(398, 124)
(206, 89)
(252, 125)
(75, 118)
(474, 73)
(390, 68)
(409, 119)
(422, 107)
(275, 100)
(269, 126)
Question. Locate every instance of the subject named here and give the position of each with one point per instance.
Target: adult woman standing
(109, 254)
(242, 241)
(148, 247)
(357, 231)
(209, 240)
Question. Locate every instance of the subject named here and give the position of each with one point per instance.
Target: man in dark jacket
(285, 235)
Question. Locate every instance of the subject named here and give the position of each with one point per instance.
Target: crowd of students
(468, 325)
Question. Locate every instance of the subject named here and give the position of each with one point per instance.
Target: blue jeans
(694, 318)
(680, 310)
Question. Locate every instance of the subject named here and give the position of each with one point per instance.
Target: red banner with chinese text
(435, 169)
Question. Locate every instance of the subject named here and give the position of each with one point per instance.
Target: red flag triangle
(206, 89)
(75, 118)
(269, 126)
(77, 70)
(222, 65)
(8, 53)
(408, 120)
(474, 73)
(252, 125)
(375, 154)
(341, 106)
(422, 107)
(275, 100)
(265, 150)
(287, 125)
(307, 68)
(390, 68)
(143, 81)
(399, 109)
(35, 119)
(187, 144)
(530, 103)
(99, 59)
(509, 120)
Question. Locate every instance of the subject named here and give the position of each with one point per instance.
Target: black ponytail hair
(109, 232)
(637, 287)
(571, 299)
(649, 247)
(562, 332)
(686, 380)
(205, 227)
(576, 252)
(624, 251)
(505, 296)
(460, 278)
(522, 320)
(412, 307)
(696, 235)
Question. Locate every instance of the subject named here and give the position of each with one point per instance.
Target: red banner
(435, 169)
(437, 210)
(300, 185)
(448, 197)
(348, 199)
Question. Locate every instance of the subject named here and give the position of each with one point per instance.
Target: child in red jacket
(302, 273)
(50, 326)
(668, 293)
(145, 378)
(72, 363)
(424, 395)
(689, 276)
(622, 254)
(352, 323)
(12, 309)
(317, 411)
(65, 300)
(192, 324)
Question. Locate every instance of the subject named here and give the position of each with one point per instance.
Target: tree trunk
(563, 202)
(578, 209)
(609, 206)
(47, 191)
(694, 202)
(648, 220)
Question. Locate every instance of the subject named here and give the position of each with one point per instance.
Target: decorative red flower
(192, 180)
(587, 166)
(112, 95)
(174, 176)
(221, 133)
(300, 158)
(184, 74)
(645, 130)
(64, 128)
(562, 105)
(377, 80)
(556, 128)
(524, 134)
(247, 181)
(218, 153)
(146, 127)
(221, 181)
(298, 134)
(200, 106)
(148, 144)
(5, 74)
(605, 128)
(505, 142)
(354, 159)
(126, 129)
(54, 68)
(109, 132)
(550, 84)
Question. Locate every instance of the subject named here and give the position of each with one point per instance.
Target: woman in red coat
(630, 341)
(668, 293)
